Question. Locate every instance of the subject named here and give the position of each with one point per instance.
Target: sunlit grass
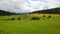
(27, 26)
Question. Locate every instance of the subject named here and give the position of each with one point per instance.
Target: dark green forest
(49, 11)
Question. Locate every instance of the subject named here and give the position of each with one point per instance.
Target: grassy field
(27, 26)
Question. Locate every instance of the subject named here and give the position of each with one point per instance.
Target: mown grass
(27, 26)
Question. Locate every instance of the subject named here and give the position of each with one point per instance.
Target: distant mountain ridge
(48, 11)
(2, 13)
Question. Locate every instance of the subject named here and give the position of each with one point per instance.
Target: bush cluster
(35, 18)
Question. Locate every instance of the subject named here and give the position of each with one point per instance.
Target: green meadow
(27, 26)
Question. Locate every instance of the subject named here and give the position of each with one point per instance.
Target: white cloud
(53, 3)
(19, 6)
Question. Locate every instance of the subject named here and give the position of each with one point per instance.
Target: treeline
(49, 11)
(3, 13)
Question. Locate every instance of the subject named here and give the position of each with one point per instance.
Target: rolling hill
(2, 13)
(48, 11)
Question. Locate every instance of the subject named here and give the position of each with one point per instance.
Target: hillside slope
(2, 13)
(49, 11)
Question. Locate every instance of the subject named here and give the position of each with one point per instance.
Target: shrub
(35, 18)
(49, 16)
(44, 15)
(19, 18)
(12, 19)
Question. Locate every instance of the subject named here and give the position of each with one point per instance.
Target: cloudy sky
(20, 6)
